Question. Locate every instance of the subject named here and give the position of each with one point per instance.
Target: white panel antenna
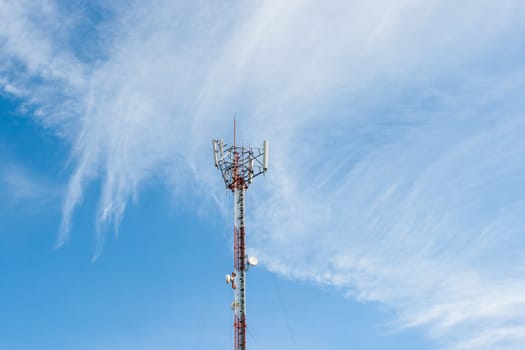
(265, 158)
(250, 170)
(215, 153)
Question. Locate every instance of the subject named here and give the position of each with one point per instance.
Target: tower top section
(239, 164)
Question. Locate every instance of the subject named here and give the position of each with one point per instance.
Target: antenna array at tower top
(239, 165)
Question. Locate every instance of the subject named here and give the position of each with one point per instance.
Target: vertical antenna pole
(234, 133)
(240, 270)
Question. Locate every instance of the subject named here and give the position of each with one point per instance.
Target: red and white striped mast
(238, 166)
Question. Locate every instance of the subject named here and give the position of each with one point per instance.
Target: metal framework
(238, 166)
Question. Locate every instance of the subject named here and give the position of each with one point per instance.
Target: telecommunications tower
(238, 166)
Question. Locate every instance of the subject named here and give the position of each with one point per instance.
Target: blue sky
(391, 216)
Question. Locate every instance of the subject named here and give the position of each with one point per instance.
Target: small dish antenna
(252, 261)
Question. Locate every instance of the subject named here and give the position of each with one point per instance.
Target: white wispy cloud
(19, 185)
(396, 132)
